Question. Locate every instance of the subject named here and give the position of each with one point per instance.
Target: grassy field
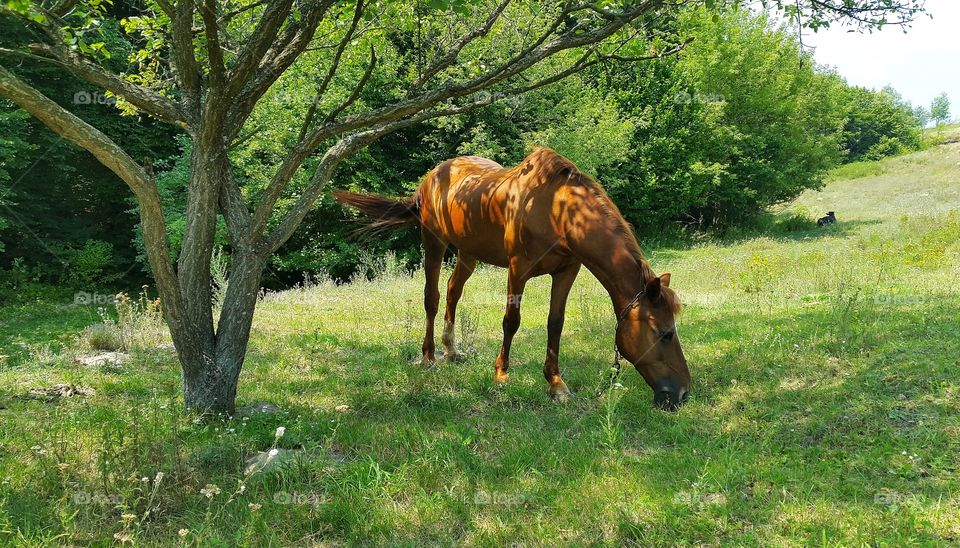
(824, 409)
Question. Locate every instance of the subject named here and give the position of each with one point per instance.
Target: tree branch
(75, 130)
(451, 56)
(259, 43)
(288, 46)
(145, 99)
(357, 89)
(57, 53)
(408, 108)
(185, 65)
(332, 71)
(214, 52)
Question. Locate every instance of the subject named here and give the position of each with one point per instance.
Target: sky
(920, 64)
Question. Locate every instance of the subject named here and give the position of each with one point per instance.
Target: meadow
(824, 408)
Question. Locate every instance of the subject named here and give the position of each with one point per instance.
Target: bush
(741, 120)
(888, 146)
(91, 265)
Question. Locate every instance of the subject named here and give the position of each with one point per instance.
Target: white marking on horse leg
(449, 338)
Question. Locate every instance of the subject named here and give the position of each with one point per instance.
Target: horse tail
(384, 214)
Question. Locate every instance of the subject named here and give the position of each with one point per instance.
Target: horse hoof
(560, 393)
(501, 377)
(455, 357)
(424, 361)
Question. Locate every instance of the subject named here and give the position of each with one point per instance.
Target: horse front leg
(559, 290)
(461, 273)
(516, 280)
(433, 249)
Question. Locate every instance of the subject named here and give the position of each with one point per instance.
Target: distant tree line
(741, 119)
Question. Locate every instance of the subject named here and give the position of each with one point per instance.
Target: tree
(205, 67)
(922, 116)
(940, 109)
(879, 123)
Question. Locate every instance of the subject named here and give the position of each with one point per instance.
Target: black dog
(829, 219)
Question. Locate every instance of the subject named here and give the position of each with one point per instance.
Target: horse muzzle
(669, 397)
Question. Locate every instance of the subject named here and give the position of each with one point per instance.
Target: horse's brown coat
(541, 217)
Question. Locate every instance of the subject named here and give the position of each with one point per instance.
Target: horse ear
(665, 279)
(653, 289)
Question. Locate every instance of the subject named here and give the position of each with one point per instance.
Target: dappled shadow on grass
(785, 228)
(797, 423)
(799, 411)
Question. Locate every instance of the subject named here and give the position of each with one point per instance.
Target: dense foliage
(739, 120)
(879, 124)
(61, 210)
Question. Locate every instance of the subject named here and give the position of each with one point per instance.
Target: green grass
(825, 406)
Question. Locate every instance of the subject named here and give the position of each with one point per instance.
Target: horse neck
(616, 267)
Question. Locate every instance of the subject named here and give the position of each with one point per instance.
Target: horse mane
(558, 168)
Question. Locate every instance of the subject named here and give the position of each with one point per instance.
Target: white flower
(183, 533)
(274, 452)
(158, 477)
(280, 432)
(210, 491)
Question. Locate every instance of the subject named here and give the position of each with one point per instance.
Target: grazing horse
(828, 220)
(543, 216)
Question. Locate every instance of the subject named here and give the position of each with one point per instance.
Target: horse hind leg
(461, 273)
(434, 249)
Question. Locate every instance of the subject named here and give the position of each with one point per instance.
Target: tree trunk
(210, 374)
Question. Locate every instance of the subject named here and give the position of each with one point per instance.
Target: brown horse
(543, 216)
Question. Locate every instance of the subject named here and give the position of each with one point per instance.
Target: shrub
(879, 123)
(90, 266)
(887, 146)
(103, 336)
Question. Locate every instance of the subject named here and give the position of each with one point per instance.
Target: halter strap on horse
(615, 369)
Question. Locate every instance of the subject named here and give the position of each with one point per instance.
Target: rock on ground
(255, 409)
(58, 391)
(265, 461)
(104, 358)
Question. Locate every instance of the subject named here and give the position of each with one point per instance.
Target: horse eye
(666, 336)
